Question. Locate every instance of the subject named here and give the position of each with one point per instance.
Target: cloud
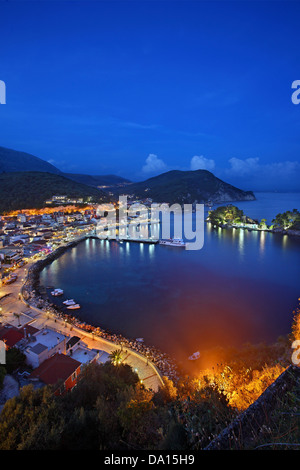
(202, 163)
(250, 173)
(154, 164)
(286, 168)
(243, 167)
(252, 166)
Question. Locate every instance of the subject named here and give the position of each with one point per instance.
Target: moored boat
(172, 242)
(57, 292)
(69, 302)
(74, 307)
(194, 356)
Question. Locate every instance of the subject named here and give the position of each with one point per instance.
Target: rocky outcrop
(293, 233)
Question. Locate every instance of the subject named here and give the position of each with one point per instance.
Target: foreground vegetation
(110, 409)
(14, 359)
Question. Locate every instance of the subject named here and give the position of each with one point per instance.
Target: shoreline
(34, 297)
(289, 232)
(162, 363)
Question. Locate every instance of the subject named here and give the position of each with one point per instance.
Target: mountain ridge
(15, 161)
(174, 186)
(31, 189)
(187, 187)
(107, 181)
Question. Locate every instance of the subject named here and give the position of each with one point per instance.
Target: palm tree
(115, 357)
(18, 317)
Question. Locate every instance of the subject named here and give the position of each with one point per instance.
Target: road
(16, 313)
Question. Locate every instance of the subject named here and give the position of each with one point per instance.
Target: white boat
(57, 292)
(194, 356)
(73, 307)
(69, 302)
(172, 242)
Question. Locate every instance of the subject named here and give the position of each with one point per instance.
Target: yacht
(172, 242)
(194, 356)
(69, 302)
(57, 292)
(73, 307)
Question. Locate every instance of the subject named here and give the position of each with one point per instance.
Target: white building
(78, 350)
(42, 345)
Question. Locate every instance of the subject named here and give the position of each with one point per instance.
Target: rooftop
(49, 338)
(72, 341)
(103, 357)
(10, 335)
(57, 367)
(38, 348)
(28, 329)
(84, 355)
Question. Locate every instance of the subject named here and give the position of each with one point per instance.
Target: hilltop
(97, 181)
(13, 160)
(187, 187)
(16, 161)
(25, 190)
(183, 187)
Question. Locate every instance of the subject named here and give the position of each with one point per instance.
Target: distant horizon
(238, 185)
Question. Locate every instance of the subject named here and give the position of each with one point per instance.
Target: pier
(137, 240)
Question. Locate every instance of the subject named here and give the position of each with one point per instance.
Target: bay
(241, 287)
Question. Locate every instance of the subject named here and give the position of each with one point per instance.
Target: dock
(136, 240)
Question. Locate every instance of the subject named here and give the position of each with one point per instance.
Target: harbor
(31, 295)
(34, 312)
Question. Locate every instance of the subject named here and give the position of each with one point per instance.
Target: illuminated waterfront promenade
(15, 312)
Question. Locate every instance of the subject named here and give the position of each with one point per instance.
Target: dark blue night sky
(138, 88)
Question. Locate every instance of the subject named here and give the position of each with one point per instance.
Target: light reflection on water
(241, 242)
(127, 245)
(262, 242)
(242, 286)
(151, 250)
